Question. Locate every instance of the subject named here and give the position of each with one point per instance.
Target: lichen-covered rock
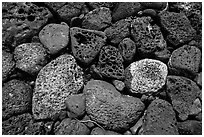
(110, 63)
(16, 98)
(100, 131)
(148, 38)
(182, 92)
(7, 64)
(21, 21)
(160, 119)
(145, 76)
(76, 104)
(118, 31)
(58, 79)
(86, 44)
(106, 106)
(30, 57)
(178, 27)
(125, 9)
(185, 60)
(190, 127)
(55, 37)
(97, 19)
(70, 10)
(16, 124)
(71, 127)
(127, 49)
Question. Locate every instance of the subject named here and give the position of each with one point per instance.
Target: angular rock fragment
(30, 57)
(86, 44)
(182, 92)
(145, 76)
(97, 19)
(58, 79)
(106, 106)
(55, 37)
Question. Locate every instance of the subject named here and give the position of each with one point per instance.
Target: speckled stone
(30, 57)
(145, 76)
(58, 79)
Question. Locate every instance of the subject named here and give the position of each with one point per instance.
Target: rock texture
(54, 83)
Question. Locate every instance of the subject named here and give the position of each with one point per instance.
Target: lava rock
(127, 49)
(198, 79)
(148, 12)
(182, 92)
(135, 129)
(21, 21)
(88, 122)
(160, 119)
(70, 10)
(190, 127)
(145, 76)
(110, 64)
(97, 19)
(106, 106)
(163, 55)
(55, 5)
(196, 108)
(34, 128)
(125, 9)
(100, 131)
(178, 28)
(86, 44)
(148, 38)
(184, 61)
(119, 85)
(16, 124)
(71, 127)
(54, 83)
(55, 37)
(154, 5)
(30, 57)
(118, 31)
(127, 133)
(16, 98)
(76, 104)
(7, 64)
(95, 5)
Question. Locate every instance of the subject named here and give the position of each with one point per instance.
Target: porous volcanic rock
(97, 19)
(100, 131)
(55, 37)
(16, 98)
(182, 92)
(106, 106)
(190, 127)
(160, 119)
(145, 76)
(30, 57)
(86, 44)
(58, 79)
(21, 21)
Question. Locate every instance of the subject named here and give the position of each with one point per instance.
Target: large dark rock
(16, 98)
(55, 37)
(160, 119)
(97, 19)
(106, 106)
(21, 21)
(110, 64)
(86, 44)
(148, 38)
(182, 92)
(30, 57)
(58, 79)
(178, 28)
(145, 76)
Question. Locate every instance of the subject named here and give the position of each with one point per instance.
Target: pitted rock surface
(145, 76)
(86, 44)
(54, 83)
(109, 108)
(30, 57)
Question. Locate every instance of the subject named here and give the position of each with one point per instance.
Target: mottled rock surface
(58, 79)
(190, 127)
